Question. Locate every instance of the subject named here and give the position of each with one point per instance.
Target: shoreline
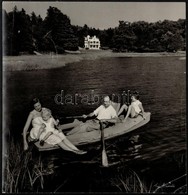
(50, 61)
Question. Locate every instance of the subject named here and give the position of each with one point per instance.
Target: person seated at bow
(134, 109)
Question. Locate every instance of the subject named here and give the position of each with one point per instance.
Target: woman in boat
(34, 120)
(134, 109)
(53, 136)
(36, 112)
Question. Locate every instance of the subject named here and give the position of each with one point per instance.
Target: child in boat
(134, 109)
(48, 125)
(52, 136)
(38, 127)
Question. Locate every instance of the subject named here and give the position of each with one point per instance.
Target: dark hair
(34, 101)
(136, 95)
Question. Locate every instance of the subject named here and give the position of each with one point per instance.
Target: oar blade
(104, 159)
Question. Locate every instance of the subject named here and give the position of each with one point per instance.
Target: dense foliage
(25, 34)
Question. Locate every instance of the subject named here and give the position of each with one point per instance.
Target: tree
(59, 31)
(26, 33)
(124, 38)
(172, 42)
(5, 33)
(19, 32)
(37, 32)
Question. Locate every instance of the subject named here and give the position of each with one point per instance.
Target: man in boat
(104, 113)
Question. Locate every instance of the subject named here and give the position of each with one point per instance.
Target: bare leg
(67, 145)
(74, 130)
(70, 125)
(64, 140)
(80, 128)
(124, 107)
(130, 111)
(64, 147)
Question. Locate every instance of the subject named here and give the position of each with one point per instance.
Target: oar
(74, 117)
(104, 155)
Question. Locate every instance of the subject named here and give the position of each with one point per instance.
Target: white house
(92, 42)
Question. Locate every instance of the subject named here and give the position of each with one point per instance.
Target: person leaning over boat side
(31, 119)
(104, 113)
(134, 109)
(53, 136)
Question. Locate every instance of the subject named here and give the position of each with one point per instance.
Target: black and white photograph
(94, 97)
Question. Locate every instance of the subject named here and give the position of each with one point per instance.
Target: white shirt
(105, 113)
(136, 107)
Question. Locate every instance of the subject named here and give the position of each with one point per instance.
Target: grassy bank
(23, 173)
(35, 62)
(26, 172)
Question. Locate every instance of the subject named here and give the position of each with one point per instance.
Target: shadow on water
(159, 153)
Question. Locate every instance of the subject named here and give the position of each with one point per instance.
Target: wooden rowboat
(118, 129)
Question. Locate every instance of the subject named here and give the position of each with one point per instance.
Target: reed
(130, 182)
(21, 172)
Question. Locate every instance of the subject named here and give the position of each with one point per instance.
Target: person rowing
(104, 113)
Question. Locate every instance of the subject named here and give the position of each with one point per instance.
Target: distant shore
(48, 61)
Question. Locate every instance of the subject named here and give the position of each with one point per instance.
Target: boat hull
(84, 138)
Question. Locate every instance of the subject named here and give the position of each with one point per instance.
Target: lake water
(161, 82)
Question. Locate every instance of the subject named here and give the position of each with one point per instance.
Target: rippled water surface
(161, 82)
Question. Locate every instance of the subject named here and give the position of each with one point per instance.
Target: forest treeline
(23, 33)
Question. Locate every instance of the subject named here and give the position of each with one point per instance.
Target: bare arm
(42, 128)
(56, 122)
(89, 115)
(26, 127)
(142, 110)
